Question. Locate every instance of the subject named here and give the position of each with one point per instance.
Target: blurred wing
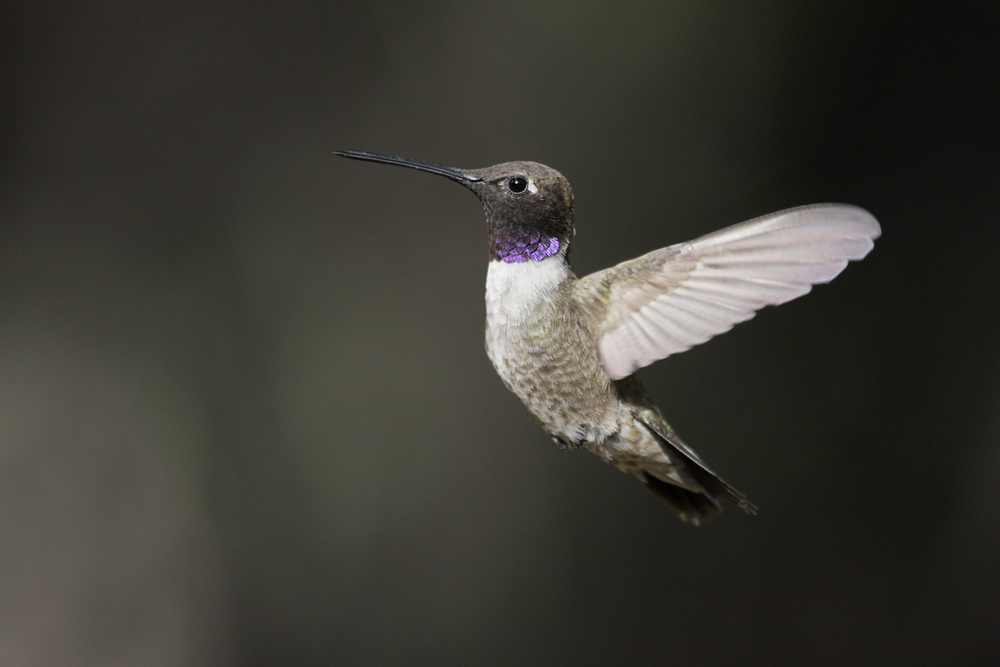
(677, 297)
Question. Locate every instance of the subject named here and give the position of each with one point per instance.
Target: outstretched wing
(677, 297)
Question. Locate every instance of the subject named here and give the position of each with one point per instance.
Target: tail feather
(715, 486)
(712, 485)
(692, 506)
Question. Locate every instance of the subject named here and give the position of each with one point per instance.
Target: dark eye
(517, 184)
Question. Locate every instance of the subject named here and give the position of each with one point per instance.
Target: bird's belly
(567, 392)
(544, 353)
(557, 380)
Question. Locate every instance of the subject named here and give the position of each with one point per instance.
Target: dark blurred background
(246, 417)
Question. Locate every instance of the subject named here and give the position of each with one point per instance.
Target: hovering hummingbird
(567, 346)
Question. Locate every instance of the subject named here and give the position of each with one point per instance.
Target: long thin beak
(453, 174)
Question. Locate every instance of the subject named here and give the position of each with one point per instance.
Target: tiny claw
(574, 444)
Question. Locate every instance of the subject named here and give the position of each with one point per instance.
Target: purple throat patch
(534, 247)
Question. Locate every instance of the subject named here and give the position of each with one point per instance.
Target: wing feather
(672, 299)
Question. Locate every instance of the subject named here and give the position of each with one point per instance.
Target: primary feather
(674, 298)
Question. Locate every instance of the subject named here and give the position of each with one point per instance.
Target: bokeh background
(246, 417)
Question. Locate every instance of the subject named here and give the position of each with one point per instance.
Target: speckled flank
(546, 356)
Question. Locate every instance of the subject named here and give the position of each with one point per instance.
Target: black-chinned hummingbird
(567, 346)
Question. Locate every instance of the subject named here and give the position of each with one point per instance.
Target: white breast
(518, 298)
(515, 289)
(542, 355)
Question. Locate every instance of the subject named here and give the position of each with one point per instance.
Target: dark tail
(692, 506)
(698, 506)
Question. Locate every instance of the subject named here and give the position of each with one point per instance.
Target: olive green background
(246, 417)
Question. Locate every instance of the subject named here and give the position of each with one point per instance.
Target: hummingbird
(567, 347)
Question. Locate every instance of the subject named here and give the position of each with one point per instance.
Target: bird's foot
(572, 444)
